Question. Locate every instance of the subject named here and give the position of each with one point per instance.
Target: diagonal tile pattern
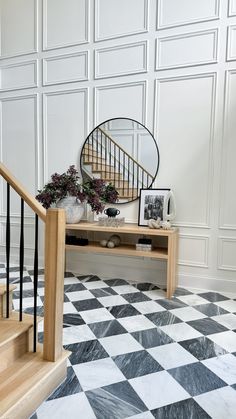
(136, 354)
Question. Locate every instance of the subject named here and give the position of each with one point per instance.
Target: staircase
(29, 371)
(104, 158)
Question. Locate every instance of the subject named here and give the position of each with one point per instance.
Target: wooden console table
(169, 252)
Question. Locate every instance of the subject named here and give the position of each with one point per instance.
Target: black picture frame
(155, 209)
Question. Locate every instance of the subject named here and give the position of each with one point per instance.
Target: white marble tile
(193, 299)
(98, 373)
(79, 295)
(187, 314)
(155, 294)
(69, 308)
(226, 340)
(223, 366)
(158, 389)
(171, 356)
(227, 320)
(219, 404)
(41, 291)
(27, 302)
(228, 305)
(120, 344)
(180, 331)
(113, 300)
(96, 315)
(135, 323)
(146, 307)
(231, 295)
(143, 415)
(28, 286)
(71, 407)
(76, 334)
(125, 289)
(71, 280)
(95, 284)
(40, 326)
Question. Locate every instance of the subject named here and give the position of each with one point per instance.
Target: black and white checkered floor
(135, 354)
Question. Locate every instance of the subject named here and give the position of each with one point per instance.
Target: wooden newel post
(54, 283)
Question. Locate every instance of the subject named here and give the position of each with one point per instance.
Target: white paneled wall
(66, 66)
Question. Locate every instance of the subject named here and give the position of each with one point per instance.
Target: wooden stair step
(3, 298)
(28, 382)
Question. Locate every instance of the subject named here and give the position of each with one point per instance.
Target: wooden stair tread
(11, 328)
(3, 288)
(21, 378)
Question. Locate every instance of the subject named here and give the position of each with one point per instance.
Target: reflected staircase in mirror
(29, 371)
(104, 158)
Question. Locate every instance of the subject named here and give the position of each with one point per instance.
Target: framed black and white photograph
(152, 205)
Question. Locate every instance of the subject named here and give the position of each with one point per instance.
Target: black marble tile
(207, 326)
(116, 401)
(86, 351)
(72, 319)
(136, 297)
(107, 328)
(202, 348)
(68, 275)
(171, 304)
(185, 409)
(40, 337)
(34, 416)
(16, 280)
(196, 378)
(136, 364)
(145, 286)
(152, 337)
(181, 291)
(163, 318)
(74, 287)
(115, 282)
(211, 309)
(234, 386)
(103, 292)
(91, 278)
(26, 294)
(31, 272)
(30, 310)
(2, 265)
(41, 284)
(87, 304)
(213, 297)
(69, 386)
(124, 310)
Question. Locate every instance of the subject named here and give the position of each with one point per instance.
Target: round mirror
(124, 152)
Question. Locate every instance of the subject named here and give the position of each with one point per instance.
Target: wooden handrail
(16, 185)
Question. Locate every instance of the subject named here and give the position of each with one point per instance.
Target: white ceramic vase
(73, 207)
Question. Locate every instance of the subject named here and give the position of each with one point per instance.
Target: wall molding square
(119, 9)
(79, 38)
(77, 62)
(188, 6)
(15, 231)
(127, 56)
(192, 45)
(227, 249)
(197, 245)
(7, 71)
(231, 8)
(231, 43)
(206, 222)
(121, 101)
(18, 22)
(227, 151)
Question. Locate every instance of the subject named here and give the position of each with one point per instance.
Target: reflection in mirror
(124, 152)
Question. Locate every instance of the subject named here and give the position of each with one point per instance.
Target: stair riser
(3, 304)
(14, 349)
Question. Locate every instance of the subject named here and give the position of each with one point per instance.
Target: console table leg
(172, 265)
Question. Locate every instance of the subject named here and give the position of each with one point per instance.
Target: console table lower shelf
(169, 252)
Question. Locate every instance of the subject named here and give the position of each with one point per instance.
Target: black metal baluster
(21, 257)
(8, 239)
(123, 174)
(133, 181)
(110, 160)
(142, 179)
(97, 149)
(106, 157)
(101, 159)
(128, 176)
(35, 282)
(137, 177)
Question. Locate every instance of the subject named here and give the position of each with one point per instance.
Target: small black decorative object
(111, 212)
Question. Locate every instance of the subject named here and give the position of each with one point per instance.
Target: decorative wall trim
(205, 240)
(224, 146)
(35, 49)
(231, 8)
(58, 93)
(221, 242)
(70, 44)
(213, 75)
(231, 36)
(142, 83)
(98, 53)
(161, 41)
(161, 25)
(34, 64)
(17, 225)
(121, 34)
(59, 58)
